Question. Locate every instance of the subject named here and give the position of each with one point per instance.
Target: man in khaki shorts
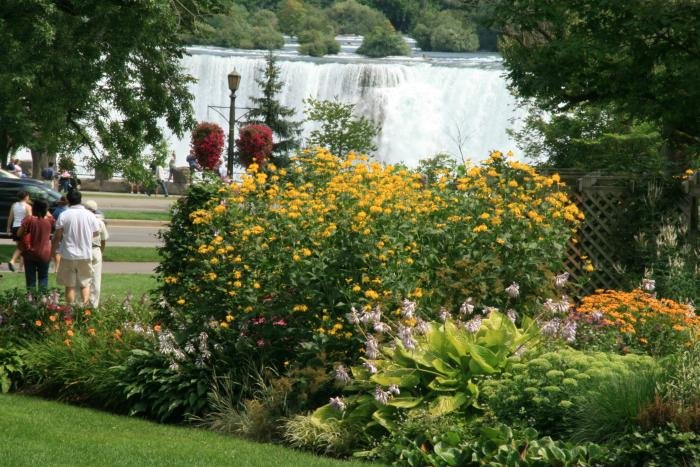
(75, 229)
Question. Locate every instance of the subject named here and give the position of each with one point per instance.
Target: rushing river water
(425, 104)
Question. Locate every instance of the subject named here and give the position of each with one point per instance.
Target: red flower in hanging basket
(207, 144)
(254, 144)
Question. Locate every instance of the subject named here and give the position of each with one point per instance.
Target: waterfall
(424, 105)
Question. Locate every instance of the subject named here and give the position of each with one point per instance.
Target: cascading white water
(425, 105)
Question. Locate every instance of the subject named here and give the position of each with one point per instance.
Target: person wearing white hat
(98, 247)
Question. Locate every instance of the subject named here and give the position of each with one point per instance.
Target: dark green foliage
(663, 446)
(592, 138)
(453, 441)
(78, 373)
(447, 31)
(401, 13)
(382, 42)
(102, 75)
(432, 167)
(352, 17)
(317, 44)
(340, 131)
(11, 369)
(152, 388)
(237, 28)
(268, 110)
(639, 59)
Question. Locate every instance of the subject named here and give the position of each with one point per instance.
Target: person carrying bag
(35, 245)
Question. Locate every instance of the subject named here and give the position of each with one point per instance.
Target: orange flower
(52, 318)
(117, 334)
(70, 333)
(38, 323)
(91, 331)
(156, 328)
(67, 342)
(87, 312)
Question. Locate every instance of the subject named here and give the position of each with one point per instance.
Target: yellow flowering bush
(279, 258)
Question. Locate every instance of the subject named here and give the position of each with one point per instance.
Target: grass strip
(130, 254)
(116, 214)
(38, 432)
(113, 285)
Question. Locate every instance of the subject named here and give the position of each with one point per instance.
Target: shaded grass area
(133, 254)
(113, 285)
(38, 432)
(116, 214)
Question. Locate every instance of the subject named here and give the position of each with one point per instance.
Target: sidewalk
(128, 268)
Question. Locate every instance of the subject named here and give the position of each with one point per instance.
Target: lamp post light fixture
(234, 79)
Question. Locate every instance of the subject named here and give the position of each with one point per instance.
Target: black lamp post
(234, 79)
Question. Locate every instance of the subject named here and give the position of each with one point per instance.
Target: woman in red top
(38, 255)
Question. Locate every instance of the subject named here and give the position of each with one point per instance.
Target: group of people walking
(79, 239)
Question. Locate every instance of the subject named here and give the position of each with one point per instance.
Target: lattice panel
(595, 235)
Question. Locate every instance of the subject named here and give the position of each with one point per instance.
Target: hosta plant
(435, 369)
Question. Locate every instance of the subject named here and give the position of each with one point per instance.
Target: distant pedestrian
(64, 182)
(35, 232)
(161, 177)
(192, 164)
(172, 168)
(17, 168)
(18, 211)
(98, 247)
(73, 240)
(48, 174)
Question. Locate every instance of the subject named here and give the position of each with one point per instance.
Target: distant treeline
(438, 25)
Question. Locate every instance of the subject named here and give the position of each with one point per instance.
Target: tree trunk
(40, 159)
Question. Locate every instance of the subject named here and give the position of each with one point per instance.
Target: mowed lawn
(37, 433)
(136, 254)
(113, 285)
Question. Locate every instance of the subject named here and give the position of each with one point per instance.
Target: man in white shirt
(75, 229)
(98, 247)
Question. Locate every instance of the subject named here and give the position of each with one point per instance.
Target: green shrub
(77, 368)
(282, 256)
(426, 440)
(382, 42)
(151, 385)
(11, 369)
(317, 44)
(549, 390)
(352, 17)
(660, 447)
(445, 31)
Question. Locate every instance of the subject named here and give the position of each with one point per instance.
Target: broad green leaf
(385, 417)
(446, 404)
(459, 339)
(484, 358)
(443, 367)
(326, 412)
(405, 402)
(447, 454)
(403, 378)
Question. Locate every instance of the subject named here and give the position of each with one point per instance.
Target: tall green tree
(639, 58)
(340, 131)
(93, 74)
(267, 109)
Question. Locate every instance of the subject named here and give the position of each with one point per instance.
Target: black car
(10, 185)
